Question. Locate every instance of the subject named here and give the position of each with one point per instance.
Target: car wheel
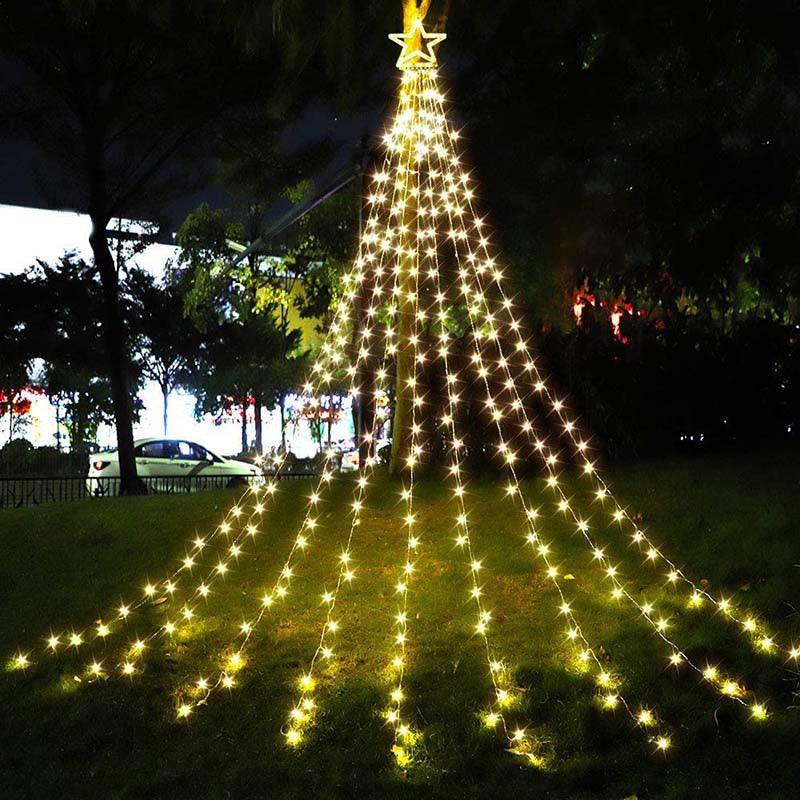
(237, 482)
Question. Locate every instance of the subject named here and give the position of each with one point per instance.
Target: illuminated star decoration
(412, 56)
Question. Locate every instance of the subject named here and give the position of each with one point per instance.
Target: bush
(681, 385)
(19, 458)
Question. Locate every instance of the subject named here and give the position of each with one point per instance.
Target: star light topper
(413, 56)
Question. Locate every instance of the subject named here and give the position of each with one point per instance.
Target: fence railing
(34, 491)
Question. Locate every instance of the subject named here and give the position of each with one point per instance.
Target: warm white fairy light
(301, 713)
(547, 457)
(653, 553)
(420, 136)
(500, 678)
(575, 631)
(307, 528)
(405, 737)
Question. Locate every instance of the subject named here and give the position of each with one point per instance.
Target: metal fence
(33, 491)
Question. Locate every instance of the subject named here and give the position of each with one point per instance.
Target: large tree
(16, 355)
(120, 98)
(242, 312)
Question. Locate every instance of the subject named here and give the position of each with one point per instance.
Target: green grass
(735, 522)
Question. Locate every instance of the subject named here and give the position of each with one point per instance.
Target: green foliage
(631, 142)
(57, 311)
(248, 349)
(16, 353)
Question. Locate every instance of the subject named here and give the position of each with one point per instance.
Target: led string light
(426, 125)
(225, 678)
(222, 568)
(504, 694)
(302, 711)
(332, 354)
(678, 656)
(102, 631)
(405, 738)
(189, 614)
(645, 717)
(711, 674)
(752, 627)
(204, 687)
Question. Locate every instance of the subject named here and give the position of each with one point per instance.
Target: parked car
(349, 462)
(168, 465)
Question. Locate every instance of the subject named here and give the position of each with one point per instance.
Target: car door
(211, 467)
(190, 463)
(154, 462)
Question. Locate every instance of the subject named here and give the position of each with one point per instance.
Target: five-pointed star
(411, 42)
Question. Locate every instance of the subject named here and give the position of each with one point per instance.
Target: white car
(170, 465)
(349, 462)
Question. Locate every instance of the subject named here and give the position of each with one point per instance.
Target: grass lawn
(734, 521)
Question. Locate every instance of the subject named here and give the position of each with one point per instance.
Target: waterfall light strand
(204, 687)
(749, 625)
(332, 349)
(756, 629)
(302, 711)
(504, 693)
(405, 738)
(226, 677)
(188, 613)
(711, 674)
(611, 697)
(102, 630)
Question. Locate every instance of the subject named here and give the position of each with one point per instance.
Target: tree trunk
(165, 395)
(118, 364)
(80, 423)
(258, 423)
(412, 11)
(282, 407)
(366, 413)
(330, 418)
(244, 425)
(404, 369)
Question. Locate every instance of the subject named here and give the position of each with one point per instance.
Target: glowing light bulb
(663, 743)
(645, 717)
